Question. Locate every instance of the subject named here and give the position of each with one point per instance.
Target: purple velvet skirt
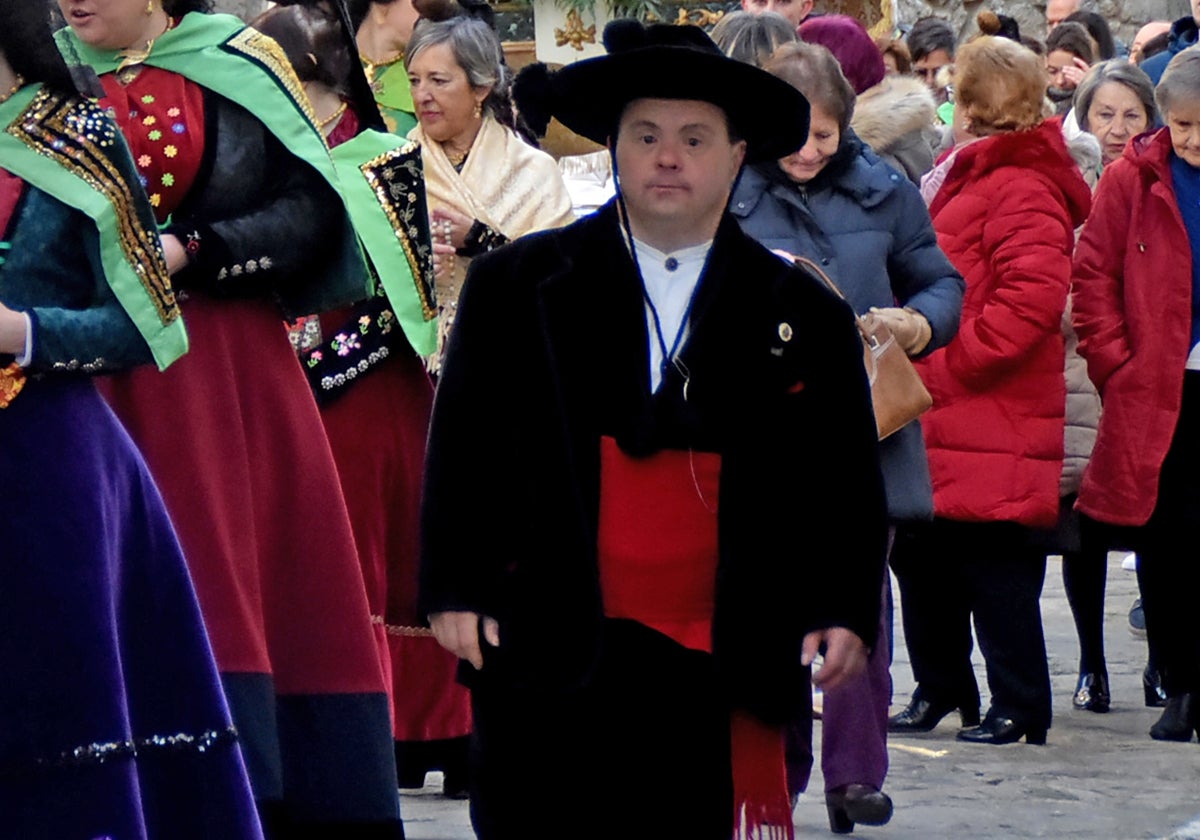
(114, 723)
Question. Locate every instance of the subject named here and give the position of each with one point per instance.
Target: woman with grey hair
(1136, 277)
(1115, 102)
(751, 38)
(485, 185)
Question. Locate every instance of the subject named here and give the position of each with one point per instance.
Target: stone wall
(1125, 16)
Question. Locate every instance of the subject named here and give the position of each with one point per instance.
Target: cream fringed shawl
(505, 183)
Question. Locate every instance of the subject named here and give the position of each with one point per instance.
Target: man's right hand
(458, 632)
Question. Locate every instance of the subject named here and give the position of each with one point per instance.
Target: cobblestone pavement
(1098, 777)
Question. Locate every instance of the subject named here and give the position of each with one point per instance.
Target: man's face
(676, 165)
(794, 10)
(1057, 11)
(1152, 30)
(927, 66)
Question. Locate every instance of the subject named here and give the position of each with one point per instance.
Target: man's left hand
(845, 656)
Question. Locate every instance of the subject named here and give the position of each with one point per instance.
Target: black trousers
(641, 752)
(952, 571)
(1168, 557)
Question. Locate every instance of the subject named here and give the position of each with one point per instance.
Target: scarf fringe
(762, 809)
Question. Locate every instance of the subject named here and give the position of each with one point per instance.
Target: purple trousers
(853, 722)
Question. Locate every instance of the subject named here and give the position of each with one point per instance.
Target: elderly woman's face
(447, 105)
(1183, 121)
(1115, 115)
(113, 24)
(824, 134)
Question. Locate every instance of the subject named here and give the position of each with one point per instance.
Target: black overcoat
(549, 352)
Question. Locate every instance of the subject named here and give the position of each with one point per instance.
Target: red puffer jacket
(1005, 216)
(1132, 302)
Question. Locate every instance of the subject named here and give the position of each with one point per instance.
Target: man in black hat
(650, 437)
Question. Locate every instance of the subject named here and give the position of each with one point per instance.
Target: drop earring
(478, 110)
(149, 8)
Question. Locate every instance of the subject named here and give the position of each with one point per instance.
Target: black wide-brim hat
(663, 61)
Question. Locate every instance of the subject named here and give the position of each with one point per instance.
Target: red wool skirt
(377, 431)
(235, 441)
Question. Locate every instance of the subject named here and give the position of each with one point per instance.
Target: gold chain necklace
(18, 83)
(132, 57)
(371, 67)
(332, 118)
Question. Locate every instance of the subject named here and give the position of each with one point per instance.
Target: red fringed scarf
(658, 554)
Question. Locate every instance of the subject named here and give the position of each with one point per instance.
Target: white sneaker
(1129, 563)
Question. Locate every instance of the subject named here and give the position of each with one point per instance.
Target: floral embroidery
(364, 324)
(314, 358)
(168, 180)
(148, 99)
(387, 320)
(144, 161)
(345, 343)
(170, 151)
(155, 135)
(179, 128)
(173, 112)
(155, 200)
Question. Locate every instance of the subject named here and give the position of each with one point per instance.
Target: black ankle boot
(922, 715)
(852, 804)
(1002, 730)
(1091, 693)
(1177, 721)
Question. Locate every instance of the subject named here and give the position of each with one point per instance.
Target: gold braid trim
(400, 630)
(268, 53)
(397, 180)
(75, 135)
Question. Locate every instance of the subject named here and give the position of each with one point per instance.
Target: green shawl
(222, 54)
(67, 148)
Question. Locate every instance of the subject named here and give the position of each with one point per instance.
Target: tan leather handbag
(897, 392)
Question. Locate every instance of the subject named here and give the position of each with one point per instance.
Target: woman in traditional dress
(254, 231)
(373, 369)
(486, 186)
(115, 723)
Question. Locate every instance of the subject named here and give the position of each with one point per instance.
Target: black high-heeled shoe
(852, 804)
(922, 715)
(1091, 693)
(1178, 720)
(1152, 688)
(1002, 730)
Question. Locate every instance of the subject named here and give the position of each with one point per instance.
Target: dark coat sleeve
(473, 507)
(922, 276)
(259, 214)
(54, 273)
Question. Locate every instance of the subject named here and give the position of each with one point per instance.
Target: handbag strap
(869, 339)
(820, 272)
